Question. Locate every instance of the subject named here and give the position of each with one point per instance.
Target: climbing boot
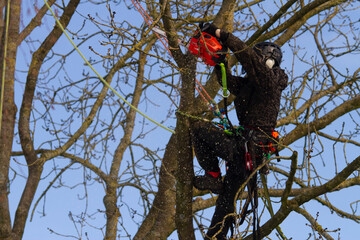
(209, 182)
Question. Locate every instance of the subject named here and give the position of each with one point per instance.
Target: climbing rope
(213, 106)
(224, 122)
(201, 90)
(210, 102)
(4, 61)
(101, 78)
(150, 22)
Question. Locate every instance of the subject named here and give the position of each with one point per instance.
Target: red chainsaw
(207, 47)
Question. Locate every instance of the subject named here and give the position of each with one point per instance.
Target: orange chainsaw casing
(207, 50)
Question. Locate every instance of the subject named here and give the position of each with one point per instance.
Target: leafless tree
(67, 129)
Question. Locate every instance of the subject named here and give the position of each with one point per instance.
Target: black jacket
(258, 95)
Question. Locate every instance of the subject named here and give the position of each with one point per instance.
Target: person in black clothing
(257, 105)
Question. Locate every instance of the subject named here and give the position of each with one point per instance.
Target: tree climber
(257, 105)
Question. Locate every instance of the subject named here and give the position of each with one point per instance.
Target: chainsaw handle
(203, 27)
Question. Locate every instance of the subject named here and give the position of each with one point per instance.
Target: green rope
(92, 68)
(195, 117)
(4, 61)
(223, 79)
(229, 132)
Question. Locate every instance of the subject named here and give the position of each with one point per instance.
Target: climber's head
(270, 51)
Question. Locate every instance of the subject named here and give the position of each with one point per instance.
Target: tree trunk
(8, 113)
(185, 169)
(159, 223)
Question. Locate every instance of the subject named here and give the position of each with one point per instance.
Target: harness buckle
(225, 94)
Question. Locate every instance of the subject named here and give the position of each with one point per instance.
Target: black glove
(222, 56)
(223, 37)
(221, 59)
(209, 28)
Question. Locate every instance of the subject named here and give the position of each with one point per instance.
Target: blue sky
(60, 201)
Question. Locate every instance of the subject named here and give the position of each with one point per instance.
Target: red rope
(148, 19)
(148, 16)
(203, 89)
(203, 97)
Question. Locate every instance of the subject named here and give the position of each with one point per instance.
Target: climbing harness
(252, 199)
(257, 145)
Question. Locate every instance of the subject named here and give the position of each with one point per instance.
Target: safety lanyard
(223, 80)
(225, 93)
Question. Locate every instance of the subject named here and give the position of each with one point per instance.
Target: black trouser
(209, 144)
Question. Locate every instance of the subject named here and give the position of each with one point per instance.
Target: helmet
(269, 50)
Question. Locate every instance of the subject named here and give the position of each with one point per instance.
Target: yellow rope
(92, 68)
(4, 61)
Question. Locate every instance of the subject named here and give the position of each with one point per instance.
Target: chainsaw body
(207, 48)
